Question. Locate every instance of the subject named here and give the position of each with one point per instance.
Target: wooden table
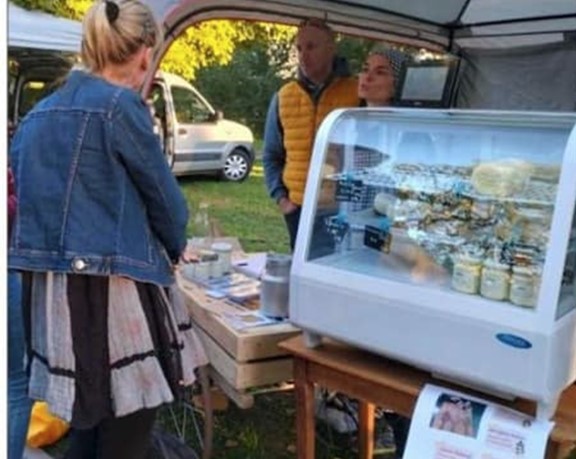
(377, 381)
(242, 362)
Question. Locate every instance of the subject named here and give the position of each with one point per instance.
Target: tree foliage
(237, 65)
(213, 43)
(201, 45)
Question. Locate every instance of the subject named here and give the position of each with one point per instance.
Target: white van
(195, 137)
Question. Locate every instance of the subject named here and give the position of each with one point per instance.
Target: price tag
(514, 253)
(378, 238)
(337, 227)
(348, 190)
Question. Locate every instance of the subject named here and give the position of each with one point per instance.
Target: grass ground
(242, 210)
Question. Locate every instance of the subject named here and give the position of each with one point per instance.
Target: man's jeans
(19, 404)
(321, 243)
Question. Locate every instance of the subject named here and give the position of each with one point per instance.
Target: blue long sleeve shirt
(274, 154)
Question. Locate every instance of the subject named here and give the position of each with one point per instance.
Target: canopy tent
(517, 54)
(38, 30)
(445, 25)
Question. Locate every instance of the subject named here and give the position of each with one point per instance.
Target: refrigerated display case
(446, 239)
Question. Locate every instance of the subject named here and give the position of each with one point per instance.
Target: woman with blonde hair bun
(99, 230)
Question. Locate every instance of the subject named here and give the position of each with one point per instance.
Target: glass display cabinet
(446, 239)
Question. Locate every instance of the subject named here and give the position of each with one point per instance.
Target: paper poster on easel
(452, 425)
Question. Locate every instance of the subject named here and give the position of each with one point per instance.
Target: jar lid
(495, 264)
(208, 255)
(468, 259)
(278, 259)
(221, 247)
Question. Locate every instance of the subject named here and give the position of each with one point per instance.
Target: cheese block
(501, 178)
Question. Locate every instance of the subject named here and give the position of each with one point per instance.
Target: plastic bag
(44, 428)
(164, 445)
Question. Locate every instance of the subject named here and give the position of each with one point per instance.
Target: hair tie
(112, 11)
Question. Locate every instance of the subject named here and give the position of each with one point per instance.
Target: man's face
(316, 50)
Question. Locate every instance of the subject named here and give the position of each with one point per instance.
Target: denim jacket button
(79, 264)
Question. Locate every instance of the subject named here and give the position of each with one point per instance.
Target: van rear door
(197, 147)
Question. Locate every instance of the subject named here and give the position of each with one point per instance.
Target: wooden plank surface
(245, 375)
(243, 345)
(357, 372)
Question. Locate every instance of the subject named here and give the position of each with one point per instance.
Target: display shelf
(461, 238)
(426, 186)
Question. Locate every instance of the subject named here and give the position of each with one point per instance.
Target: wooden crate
(244, 346)
(242, 360)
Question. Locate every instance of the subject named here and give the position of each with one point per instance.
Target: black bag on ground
(164, 445)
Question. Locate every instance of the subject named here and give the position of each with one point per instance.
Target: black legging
(400, 426)
(127, 437)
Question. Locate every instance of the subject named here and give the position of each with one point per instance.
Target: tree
(213, 43)
(242, 88)
(201, 45)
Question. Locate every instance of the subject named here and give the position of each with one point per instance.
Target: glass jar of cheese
(495, 280)
(466, 274)
(523, 286)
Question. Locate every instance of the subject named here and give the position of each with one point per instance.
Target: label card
(378, 238)
(348, 190)
(337, 227)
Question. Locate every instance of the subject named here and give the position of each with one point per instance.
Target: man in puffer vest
(295, 113)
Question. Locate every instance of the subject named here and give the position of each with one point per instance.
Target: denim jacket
(95, 193)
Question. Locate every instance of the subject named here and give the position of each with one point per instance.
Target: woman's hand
(188, 256)
(286, 206)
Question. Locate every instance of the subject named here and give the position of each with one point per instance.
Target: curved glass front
(458, 201)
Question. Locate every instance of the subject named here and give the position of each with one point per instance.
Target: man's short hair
(317, 23)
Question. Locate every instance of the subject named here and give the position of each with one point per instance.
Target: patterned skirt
(102, 347)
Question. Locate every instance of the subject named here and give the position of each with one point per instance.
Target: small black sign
(337, 227)
(348, 190)
(378, 238)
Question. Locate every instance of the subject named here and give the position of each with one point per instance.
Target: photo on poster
(457, 415)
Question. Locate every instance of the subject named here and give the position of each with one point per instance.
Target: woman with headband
(98, 231)
(379, 77)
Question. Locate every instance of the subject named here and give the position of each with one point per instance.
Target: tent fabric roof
(448, 23)
(464, 23)
(444, 12)
(38, 30)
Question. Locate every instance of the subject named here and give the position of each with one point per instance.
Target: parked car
(195, 137)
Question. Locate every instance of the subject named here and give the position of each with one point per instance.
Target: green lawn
(243, 210)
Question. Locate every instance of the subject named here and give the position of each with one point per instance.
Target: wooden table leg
(366, 424)
(305, 415)
(556, 450)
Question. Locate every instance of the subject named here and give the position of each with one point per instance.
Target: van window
(158, 101)
(32, 92)
(189, 107)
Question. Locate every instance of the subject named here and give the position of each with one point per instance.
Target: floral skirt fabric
(103, 347)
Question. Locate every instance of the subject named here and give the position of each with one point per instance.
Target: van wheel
(237, 166)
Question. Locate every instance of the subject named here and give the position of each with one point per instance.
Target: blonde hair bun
(113, 30)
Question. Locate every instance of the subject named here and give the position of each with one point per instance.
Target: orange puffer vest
(300, 119)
